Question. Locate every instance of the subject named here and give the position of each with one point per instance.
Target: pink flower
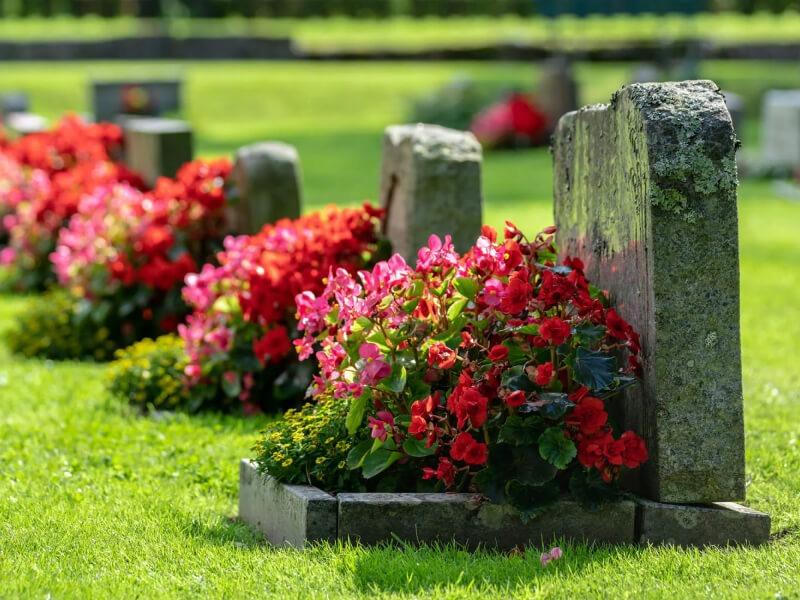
(375, 368)
(553, 554)
(382, 425)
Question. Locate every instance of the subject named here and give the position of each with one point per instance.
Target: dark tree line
(371, 8)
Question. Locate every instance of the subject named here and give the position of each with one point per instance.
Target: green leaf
(556, 448)
(410, 306)
(417, 388)
(520, 431)
(456, 308)
(233, 388)
(551, 405)
(361, 324)
(590, 333)
(227, 304)
(416, 448)
(593, 369)
(515, 379)
(357, 454)
(529, 330)
(379, 461)
(466, 287)
(530, 468)
(355, 415)
(396, 381)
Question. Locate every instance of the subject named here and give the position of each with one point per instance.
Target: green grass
(403, 33)
(96, 501)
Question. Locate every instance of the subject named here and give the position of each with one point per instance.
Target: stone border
(297, 515)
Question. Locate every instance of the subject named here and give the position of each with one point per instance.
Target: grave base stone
(14, 102)
(157, 147)
(266, 183)
(23, 123)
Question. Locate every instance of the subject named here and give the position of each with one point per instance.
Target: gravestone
(14, 102)
(645, 195)
(157, 147)
(557, 92)
(780, 129)
(23, 123)
(735, 105)
(430, 184)
(266, 186)
(151, 98)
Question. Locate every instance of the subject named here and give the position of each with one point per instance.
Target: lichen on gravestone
(645, 194)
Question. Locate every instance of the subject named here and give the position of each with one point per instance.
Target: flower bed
(485, 372)
(238, 348)
(43, 177)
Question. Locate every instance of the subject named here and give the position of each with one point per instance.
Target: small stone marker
(113, 98)
(557, 92)
(645, 195)
(430, 184)
(780, 129)
(14, 102)
(735, 104)
(157, 147)
(23, 123)
(266, 178)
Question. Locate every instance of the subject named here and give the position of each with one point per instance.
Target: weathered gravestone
(23, 123)
(430, 184)
(735, 104)
(157, 147)
(557, 92)
(266, 186)
(645, 194)
(780, 127)
(14, 102)
(152, 98)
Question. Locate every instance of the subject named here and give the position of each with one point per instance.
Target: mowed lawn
(96, 501)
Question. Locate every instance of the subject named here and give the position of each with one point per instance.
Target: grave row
(645, 195)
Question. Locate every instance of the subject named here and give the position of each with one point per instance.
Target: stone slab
(14, 102)
(373, 518)
(645, 195)
(430, 184)
(716, 524)
(557, 91)
(287, 515)
(23, 123)
(144, 97)
(266, 184)
(780, 129)
(156, 147)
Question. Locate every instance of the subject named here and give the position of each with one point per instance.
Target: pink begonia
(375, 368)
(492, 292)
(437, 254)
(382, 425)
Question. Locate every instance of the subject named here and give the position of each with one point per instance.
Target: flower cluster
(514, 121)
(488, 371)
(238, 336)
(43, 177)
(126, 252)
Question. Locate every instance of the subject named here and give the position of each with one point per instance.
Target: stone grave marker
(780, 129)
(645, 194)
(735, 104)
(430, 184)
(14, 102)
(557, 92)
(157, 147)
(23, 123)
(266, 186)
(145, 97)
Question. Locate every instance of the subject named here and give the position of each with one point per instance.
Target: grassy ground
(430, 33)
(98, 502)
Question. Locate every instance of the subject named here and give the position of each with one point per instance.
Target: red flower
(498, 353)
(444, 472)
(441, 357)
(591, 450)
(515, 399)
(274, 345)
(515, 297)
(634, 452)
(616, 325)
(554, 330)
(418, 426)
(469, 403)
(465, 448)
(589, 416)
(544, 374)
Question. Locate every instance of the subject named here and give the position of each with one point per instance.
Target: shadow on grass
(224, 531)
(417, 570)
